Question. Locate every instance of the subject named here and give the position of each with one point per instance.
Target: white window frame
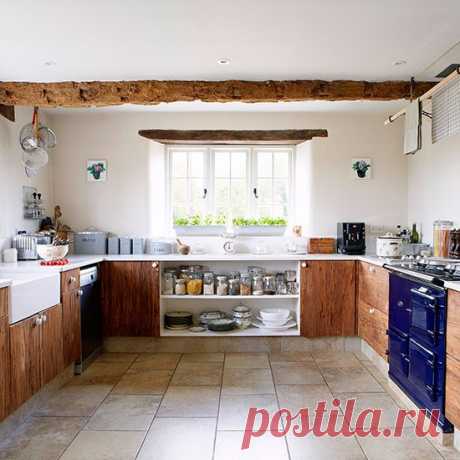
(209, 176)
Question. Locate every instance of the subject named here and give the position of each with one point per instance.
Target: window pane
(238, 164)
(264, 211)
(265, 191)
(238, 196)
(179, 164)
(280, 164)
(179, 190)
(280, 191)
(180, 210)
(222, 164)
(264, 164)
(196, 198)
(196, 164)
(222, 193)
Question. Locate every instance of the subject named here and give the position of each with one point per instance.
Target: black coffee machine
(351, 238)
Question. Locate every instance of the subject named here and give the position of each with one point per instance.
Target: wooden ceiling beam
(232, 137)
(151, 92)
(8, 112)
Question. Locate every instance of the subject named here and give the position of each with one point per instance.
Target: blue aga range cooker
(417, 334)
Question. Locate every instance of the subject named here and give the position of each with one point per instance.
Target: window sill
(218, 230)
(199, 230)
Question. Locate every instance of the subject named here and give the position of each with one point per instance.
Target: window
(249, 182)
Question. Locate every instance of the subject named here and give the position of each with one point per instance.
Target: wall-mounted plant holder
(33, 203)
(362, 168)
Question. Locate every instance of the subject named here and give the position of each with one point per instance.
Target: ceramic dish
(274, 323)
(197, 329)
(261, 325)
(274, 314)
(221, 325)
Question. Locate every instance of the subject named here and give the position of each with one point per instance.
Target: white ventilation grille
(446, 111)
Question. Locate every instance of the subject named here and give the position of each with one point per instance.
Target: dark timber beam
(150, 92)
(8, 112)
(273, 137)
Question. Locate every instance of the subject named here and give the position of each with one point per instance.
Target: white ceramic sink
(31, 293)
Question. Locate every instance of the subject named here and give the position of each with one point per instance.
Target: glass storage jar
(281, 286)
(234, 286)
(208, 283)
(257, 285)
(245, 284)
(441, 237)
(181, 286)
(195, 284)
(269, 284)
(168, 283)
(222, 285)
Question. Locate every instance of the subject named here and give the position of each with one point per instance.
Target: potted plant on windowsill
(198, 225)
(264, 226)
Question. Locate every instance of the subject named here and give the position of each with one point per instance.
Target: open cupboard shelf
(199, 303)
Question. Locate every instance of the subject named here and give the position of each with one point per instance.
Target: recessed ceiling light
(400, 62)
(223, 61)
(49, 63)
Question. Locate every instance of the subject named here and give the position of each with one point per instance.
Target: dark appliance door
(423, 371)
(400, 303)
(91, 320)
(398, 355)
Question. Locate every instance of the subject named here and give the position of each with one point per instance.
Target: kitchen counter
(4, 283)
(78, 261)
(454, 285)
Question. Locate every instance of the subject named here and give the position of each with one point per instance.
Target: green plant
(197, 220)
(361, 167)
(262, 221)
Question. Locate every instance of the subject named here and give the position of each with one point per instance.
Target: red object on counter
(49, 263)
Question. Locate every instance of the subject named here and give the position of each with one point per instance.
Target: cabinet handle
(72, 280)
(371, 269)
(371, 311)
(79, 292)
(155, 265)
(44, 319)
(37, 322)
(400, 303)
(304, 265)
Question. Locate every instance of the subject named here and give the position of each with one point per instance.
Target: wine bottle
(414, 236)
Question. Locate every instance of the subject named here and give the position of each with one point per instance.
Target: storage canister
(208, 283)
(441, 237)
(222, 285)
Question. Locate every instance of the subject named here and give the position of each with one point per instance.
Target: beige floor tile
(313, 447)
(202, 357)
(205, 373)
(160, 361)
(105, 445)
(41, 438)
(296, 397)
(296, 373)
(331, 358)
(344, 380)
(291, 356)
(234, 409)
(179, 439)
(379, 401)
(361, 356)
(125, 412)
(228, 447)
(248, 381)
(107, 357)
(190, 401)
(143, 382)
(77, 401)
(101, 373)
(375, 372)
(246, 361)
(406, 447)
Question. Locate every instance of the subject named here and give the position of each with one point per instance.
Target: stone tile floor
(158, 406)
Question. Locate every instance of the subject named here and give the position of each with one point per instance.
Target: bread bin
(389, 245)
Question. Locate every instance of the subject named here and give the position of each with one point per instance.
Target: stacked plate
(274, 319)
(178, 320)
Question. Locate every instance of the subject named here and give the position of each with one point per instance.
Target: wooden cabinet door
(453, 390)
(374, 286)
(25, 376)
(327, 297)
(52, 356)
(131, 302)
(453, 324)
(71, 326)
(70, 280)
(372, 327)
(4, 367)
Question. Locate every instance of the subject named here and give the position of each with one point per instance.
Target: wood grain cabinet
(453, 358)
(71, 320)
(328, 298)
(131, 299)
(36, 353)
(373, 299)
(4, 354)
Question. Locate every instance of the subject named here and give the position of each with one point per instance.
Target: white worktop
(4, 283)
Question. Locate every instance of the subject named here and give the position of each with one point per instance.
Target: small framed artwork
(96, 170)
(361, 168)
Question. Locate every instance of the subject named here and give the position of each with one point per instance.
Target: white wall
(433, 182)
(12, 178)
(124, 205)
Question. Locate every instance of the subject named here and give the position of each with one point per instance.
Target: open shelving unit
(199, 303)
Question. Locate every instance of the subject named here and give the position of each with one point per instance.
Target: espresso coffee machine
(351, 238)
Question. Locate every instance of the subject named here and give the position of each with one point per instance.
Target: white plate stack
(274, 319)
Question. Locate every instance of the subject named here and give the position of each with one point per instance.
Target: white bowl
(275, 314)
(50, 252)
(275, 323)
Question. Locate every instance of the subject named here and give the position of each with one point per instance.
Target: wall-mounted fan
(35, 140)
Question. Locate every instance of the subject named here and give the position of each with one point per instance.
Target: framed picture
(361, 168)
(96, 170)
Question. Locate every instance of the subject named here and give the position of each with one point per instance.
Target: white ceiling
(265, 39)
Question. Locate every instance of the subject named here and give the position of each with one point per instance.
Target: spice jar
(257, 285)
(168, 283)
(222, 285)
(281, 287)
(441, 237)
(208, 283)
(245, 284)
(181, 286)
(234, 286)
(269, 284)
(195, 284)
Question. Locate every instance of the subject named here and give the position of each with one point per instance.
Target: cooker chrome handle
(422, 294)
